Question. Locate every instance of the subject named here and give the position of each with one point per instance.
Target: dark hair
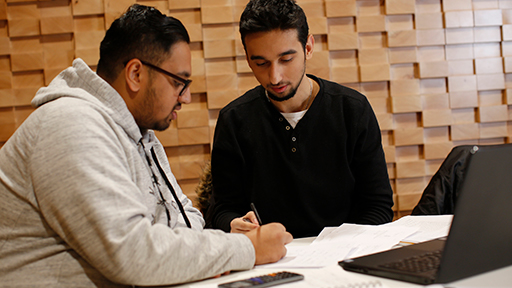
(141, 32)
(268, 15)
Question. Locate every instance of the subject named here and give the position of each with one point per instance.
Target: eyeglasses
(185, 82)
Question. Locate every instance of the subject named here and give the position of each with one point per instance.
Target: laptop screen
(480, 237)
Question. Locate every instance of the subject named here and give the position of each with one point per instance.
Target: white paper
(429, 227)
(345, 241)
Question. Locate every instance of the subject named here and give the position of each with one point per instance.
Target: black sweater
(329, 170)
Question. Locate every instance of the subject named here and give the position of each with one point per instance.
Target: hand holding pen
(249, 222)
(268, 240)
(256, 214)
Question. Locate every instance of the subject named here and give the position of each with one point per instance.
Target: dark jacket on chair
(443, 189)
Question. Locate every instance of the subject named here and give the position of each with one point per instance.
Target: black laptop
(480, 237)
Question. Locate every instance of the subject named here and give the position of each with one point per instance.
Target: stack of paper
(334, 244)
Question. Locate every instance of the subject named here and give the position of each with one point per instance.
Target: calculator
(266, 280)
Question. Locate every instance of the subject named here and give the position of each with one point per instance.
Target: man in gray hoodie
(87, 197)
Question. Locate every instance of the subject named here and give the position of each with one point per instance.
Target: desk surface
(499, 278)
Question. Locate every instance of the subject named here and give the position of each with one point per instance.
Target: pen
(256, 213)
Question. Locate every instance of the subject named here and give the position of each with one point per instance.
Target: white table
(499, 278)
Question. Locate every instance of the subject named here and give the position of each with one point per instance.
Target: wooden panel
(342, 41)
(193, 118)
(27, 61)
(219, 99)
(463, 99)
(459, 35)
(3, 12)
(372, 73)
(317, 25)
(488, 17)
(432, 118)
(399, 22)
(429, 21)
(7, 124)
(406, 104)
(457, 19)
(490, 82)
(7, 99)
(180, 4)
(319, 64)
(461, 51)
(404, 87)
(411, 136)
(489, 65)
(24, 27)
(373, 56)
(56, 25)
(347, 74)
(462, 83)
(460, 67)
(506, 32)
(435, 72)
(437, 150)
(89, 7)
(217, 14)
(465, 131)
(456, 5)
(487, 34)
(219, 48)
(403, 55)
(430, 37)
(410, 185)
(436, 101)
(433, 69)
(193, 136)
(492, 113)
(374, 23)
(493, 130)
(5, 81)
(402, 38)
(340, 8)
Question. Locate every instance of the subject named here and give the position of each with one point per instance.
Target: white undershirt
(294, 117)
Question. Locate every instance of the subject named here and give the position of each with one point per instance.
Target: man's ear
(310, 45)
(133, 75)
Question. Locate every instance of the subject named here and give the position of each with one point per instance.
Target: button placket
(288, 127)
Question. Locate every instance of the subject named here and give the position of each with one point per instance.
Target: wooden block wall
(437, 72)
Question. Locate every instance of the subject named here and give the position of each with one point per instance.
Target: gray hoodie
(79, 206)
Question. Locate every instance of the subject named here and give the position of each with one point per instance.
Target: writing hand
(268, 241)
(244, 224)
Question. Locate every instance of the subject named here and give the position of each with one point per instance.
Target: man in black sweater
(306, 151)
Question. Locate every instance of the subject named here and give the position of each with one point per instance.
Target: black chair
(440, 195)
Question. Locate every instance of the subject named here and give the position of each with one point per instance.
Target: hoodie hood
(79, 81)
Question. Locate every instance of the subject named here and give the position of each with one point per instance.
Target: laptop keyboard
(419, 263)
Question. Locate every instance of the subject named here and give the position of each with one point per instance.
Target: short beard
(281, 99)
(292, 93)
(146, 120)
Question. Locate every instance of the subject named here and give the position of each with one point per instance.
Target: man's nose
(275, 74)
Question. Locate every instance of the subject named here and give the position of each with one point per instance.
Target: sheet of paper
(311, 256)
(364, 239)
(366, 234)
(345, 241)
(326, 231)
(429, 227)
